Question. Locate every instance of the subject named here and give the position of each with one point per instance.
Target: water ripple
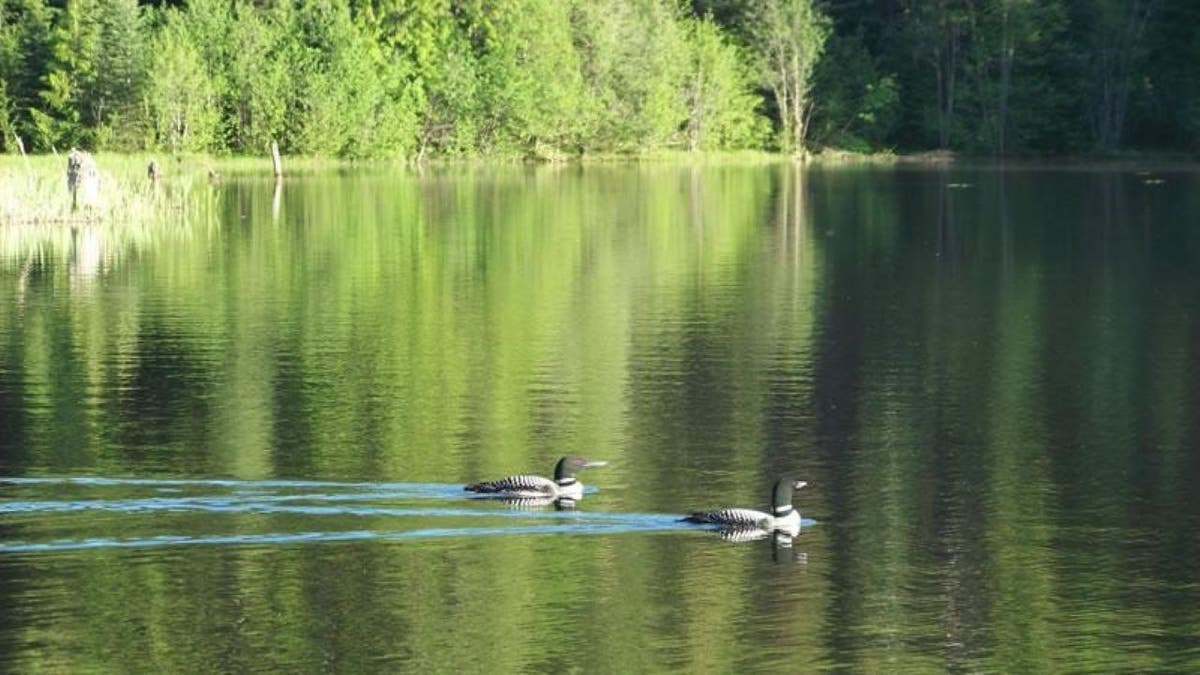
(319, 499)
(228, 482)
(258, 505)
(644, 523)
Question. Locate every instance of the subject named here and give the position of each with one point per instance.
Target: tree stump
(83, 180)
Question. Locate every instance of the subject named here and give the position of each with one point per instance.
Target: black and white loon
(783, 517)
(563, 485)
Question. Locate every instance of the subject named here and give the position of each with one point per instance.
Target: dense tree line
(551, 78)
(1012, 76)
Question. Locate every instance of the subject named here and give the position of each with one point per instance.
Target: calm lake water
(237, 442)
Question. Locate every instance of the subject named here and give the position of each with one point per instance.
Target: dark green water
(990, 380)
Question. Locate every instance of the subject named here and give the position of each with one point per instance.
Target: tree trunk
(695, 121)
(1007, 54)
(951, 77)
(1116, 56)
(797, 107)
(781, 99)
(941, 102)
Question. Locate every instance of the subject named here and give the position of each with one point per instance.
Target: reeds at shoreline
(33, 191)
(38, 223)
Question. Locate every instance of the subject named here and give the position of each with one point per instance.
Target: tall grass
(33, 190)
(37, 221)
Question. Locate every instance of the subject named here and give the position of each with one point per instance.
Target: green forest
(551, 79)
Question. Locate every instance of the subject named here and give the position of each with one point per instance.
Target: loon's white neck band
(783, 510)
(564, 482)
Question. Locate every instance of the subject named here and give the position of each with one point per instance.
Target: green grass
(36, 218)
(33, 190)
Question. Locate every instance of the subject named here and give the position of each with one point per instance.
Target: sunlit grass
(33, 190)
(37, 220)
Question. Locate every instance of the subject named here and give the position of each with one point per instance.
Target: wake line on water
(426, 488)
(273, 497)
(649, 523)
(267, 490)
(231, 505)
(297, 498)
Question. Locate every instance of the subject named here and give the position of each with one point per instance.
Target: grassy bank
(33, 191)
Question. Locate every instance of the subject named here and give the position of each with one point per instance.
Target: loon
(783, 517)
(564, 484)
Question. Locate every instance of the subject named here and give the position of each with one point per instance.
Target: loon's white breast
(789, 522)
(570, 490)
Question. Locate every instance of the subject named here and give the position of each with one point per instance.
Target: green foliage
(432, 81)
(789, 38)
(56, 121)
(256, 76)
(383, 78)
(7, 129)
(554, 78)
(329, 83)
(721, 100)
(858, 108)
(8, 60)
(1042, 109)
(181, 95)
(71, 87)
(115, 94)
(27, 24)
(1165, 106)
(1032, 76)
(631, 59)
(532, 92)
(1015, 51)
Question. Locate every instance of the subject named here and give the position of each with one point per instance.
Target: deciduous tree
(789, 38)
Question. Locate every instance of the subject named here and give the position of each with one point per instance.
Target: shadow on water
(42, 498)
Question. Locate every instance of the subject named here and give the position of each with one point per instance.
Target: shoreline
(33, 188)
(1125, 161)
(825, 157)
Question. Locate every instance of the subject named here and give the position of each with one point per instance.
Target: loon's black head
(567, 466)
(781, 494)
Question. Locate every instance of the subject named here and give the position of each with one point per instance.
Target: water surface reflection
(990, 390)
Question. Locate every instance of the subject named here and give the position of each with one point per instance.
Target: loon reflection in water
(782, 550)
(533, 503)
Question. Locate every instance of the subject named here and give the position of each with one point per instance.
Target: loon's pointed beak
(799, 484)
(592, 463)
